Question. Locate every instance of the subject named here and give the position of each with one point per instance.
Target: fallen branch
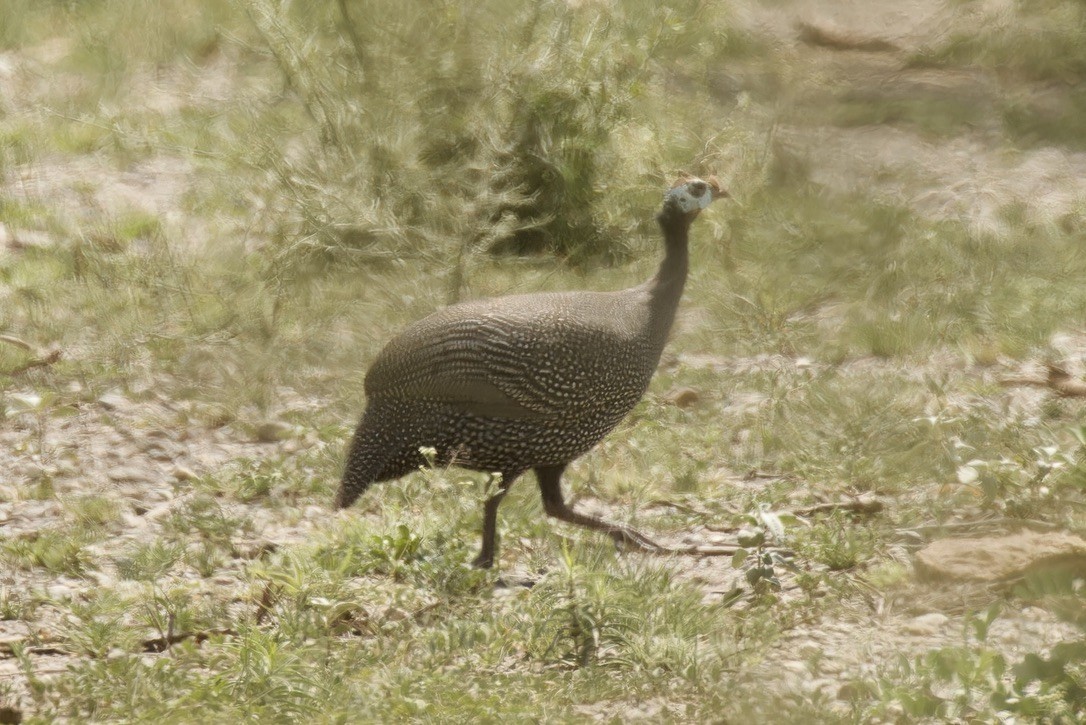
(156, 644)
(7, 650)
(664, 503)
(754, 473)
(41, 359)
(17, 342)
(998, 523)
(38, 671)
(864, 505)
(161, 644)
(1058, 380)
(716, 550)
(840, 39)
(44, 361)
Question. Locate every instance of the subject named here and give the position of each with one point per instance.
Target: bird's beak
(718, 191)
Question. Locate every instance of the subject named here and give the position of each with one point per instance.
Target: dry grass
(217, 219)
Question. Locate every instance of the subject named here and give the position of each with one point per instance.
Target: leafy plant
(760, 562)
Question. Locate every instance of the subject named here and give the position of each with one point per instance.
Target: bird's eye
(697, 188)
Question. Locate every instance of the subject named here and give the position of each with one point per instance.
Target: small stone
(796, 666)
(926, 625)
(159, 450)
(999, 558)
(59, 592)
(27, 238)
(181, 473)
(114, 401)
(254, 548)
(682, 397)
(133, 521)
(396, 614)
(824, 685)
(851, 691)
(101, 579)
(273, 431)
(156, 513)
(121, 474)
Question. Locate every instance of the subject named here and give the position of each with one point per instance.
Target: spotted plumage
(522, 382)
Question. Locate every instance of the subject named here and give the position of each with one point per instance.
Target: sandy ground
(140, 451)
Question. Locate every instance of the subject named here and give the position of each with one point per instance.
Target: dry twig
(1057, 379)
(40, 359)
(864, 505)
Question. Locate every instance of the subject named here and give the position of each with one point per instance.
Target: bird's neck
(666, 287)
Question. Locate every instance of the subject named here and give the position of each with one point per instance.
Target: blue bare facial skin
(694, 194)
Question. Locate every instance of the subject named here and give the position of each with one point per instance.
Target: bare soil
(141, 453)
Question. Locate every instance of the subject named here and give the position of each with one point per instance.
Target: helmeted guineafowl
(523, 382)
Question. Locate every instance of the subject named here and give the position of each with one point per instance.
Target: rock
(682, 397)
(114, 401)
(26, 238)
(121, 474)
(102, 579)
(999, 558)
(159, 449)
(181, 473)
(926, 625)
(133, 521)
(824, 685)
(158, 512)
(273, 431)
(851, 691)
(59, 592)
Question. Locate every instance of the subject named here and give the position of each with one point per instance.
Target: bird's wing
(481, 364)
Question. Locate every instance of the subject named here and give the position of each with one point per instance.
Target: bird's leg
(489, 550)
(550, 486)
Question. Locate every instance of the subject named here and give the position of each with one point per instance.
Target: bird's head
(688, 196)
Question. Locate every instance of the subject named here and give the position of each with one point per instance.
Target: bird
(523, 382)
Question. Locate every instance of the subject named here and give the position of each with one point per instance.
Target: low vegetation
(214, 220)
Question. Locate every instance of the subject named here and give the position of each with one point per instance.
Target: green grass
(839, 345)
(1055, 121)
(931, 114)
(1036, 53)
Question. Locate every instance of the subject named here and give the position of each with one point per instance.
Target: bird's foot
(631, 539)
(483, 561)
